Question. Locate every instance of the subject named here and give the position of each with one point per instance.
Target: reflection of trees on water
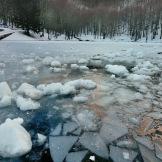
(102, 18)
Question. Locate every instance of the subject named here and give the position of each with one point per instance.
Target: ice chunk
(145, 68)
(28, 61)
(138, 78)
(26, 103)
(47, 60)
(83, 68)
(5, 89)
(30, 91)
(57, 70)
(83, 61)
(41, 139)
(5, 101)
(31, 69)
(55, 64)
(15, 140)
(50, 89)
(95, 144)
(5, 94)
(111, 131)
(118, 70)
(60, 146)
(67, 89)
(87, 120)
(95, 63)
(81, 83)
(72, 156)
(2, 65)
(122, 155)
(74, 66)
(80, 99)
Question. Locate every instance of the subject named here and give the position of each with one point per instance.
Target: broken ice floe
(60, 146)
(95, 144)
(122, 155)
(73, 156)
(112, 130)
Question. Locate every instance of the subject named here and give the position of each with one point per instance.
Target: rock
(94, 143)
(29, 91)
(16, 140)
(112, 131)
(26, 103)
(57, 130)
(148, 155)
(72, 156)
(60, 146)
(118, 70)
(122, 155)
(69, 127)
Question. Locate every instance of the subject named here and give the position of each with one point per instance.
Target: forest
(101, 18)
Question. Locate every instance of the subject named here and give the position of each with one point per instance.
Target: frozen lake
(120, 99)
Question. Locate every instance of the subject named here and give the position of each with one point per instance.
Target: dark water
(101, 18)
